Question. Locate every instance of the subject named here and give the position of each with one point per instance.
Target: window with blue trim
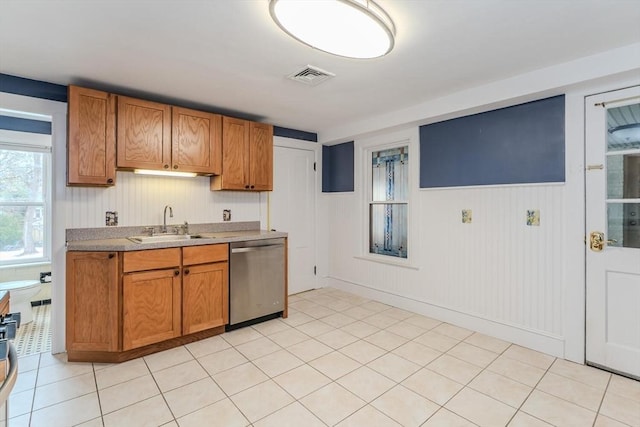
(388, 203)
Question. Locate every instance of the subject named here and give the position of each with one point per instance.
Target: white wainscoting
(496, 275)
(140, 200)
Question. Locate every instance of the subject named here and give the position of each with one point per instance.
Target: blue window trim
(25, 125)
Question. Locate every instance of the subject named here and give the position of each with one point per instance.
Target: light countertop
(201, 234)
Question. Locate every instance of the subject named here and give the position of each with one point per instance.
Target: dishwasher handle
(255, 248)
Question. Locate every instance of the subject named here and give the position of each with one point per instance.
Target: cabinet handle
(175, 166)
(111, 255)
(166, 166)
(176, 273)
(253, 186)
(246, 186)
(110, 181)
(186, 271)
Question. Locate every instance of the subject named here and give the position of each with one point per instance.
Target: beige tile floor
(338, 359)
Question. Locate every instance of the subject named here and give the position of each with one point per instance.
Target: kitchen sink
(162, 238)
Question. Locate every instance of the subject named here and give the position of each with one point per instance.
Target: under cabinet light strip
(164, 173)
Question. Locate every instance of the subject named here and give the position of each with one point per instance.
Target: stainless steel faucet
(164, 224)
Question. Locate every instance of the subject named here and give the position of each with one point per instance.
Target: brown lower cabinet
(122, 305)
(93, 320)
(150, 307)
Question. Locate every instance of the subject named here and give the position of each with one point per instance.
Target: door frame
(601, 100)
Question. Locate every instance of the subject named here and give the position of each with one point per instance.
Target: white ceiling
(229, 56)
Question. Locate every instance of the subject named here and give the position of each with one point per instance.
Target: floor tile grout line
(534, 388)
(95, 381)
(604, 393)
(155, 381)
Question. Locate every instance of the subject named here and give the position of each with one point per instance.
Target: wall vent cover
(311, 75)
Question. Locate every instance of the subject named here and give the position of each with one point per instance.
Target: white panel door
(613, 231)
(292, 210)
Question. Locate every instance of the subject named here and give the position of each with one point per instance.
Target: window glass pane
(390, 174)
(21, 233)
(623, 176)
(21, 175)
(388, 233)
(623, 125)
(623, 224)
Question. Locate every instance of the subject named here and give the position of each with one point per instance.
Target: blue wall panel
(337, 168)
(33, 88)
(296, 134)
(514, 145)
(25, 125)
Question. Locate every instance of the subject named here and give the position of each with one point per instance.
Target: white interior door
(613, 231)
(292, 210)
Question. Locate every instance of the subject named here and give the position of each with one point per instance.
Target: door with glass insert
(613, 231)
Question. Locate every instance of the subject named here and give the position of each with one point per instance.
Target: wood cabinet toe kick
(123, 356)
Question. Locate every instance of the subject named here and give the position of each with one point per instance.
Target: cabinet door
(151, 307)
(235, 154)
(91, 137)
(92, 320)
(144, 134)
(261, 157)
(205, 296)
(196, 144)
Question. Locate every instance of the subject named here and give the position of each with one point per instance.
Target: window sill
(25, 265)
(382, 260)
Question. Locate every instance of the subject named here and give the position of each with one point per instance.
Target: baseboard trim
(536, 340)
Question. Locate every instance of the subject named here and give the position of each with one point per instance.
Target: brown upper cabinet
(247, 156)
(91, 143)
(161, 137)
(196, 141)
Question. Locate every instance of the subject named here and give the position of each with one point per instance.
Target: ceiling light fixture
(164, 173)
(351, 28)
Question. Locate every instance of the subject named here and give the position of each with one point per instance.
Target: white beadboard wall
(496, 275)
(140, 200)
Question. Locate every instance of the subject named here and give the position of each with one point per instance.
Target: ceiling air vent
(310, 75)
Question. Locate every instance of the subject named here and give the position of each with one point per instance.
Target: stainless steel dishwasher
(256, 285)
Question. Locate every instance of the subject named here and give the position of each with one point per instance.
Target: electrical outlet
(111, 218)
(226, 215)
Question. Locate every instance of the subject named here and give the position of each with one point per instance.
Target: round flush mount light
(351, 28)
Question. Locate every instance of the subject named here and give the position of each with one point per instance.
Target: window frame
(406, 138)
(399, 202)
(30, 142)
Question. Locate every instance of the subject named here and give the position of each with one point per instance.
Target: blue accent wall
(25, 125)
(296, 134)
(337, 168)
(515, 145)
(33, 88)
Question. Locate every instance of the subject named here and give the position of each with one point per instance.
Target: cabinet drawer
(204, 254)
(152, 259)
